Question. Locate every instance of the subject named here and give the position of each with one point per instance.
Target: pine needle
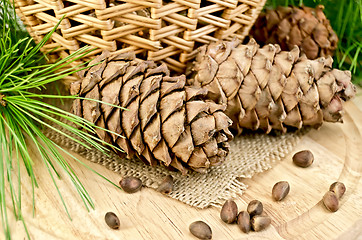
(24, 116)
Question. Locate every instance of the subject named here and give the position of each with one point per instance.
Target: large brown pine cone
(266, 88)
(306, 27)
(166, 121)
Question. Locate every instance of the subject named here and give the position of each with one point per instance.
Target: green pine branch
(24, 115)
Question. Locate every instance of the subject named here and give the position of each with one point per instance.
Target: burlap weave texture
(249, 154)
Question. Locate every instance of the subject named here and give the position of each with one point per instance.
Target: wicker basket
(161, 30)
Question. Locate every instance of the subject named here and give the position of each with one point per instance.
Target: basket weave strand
(161, 30)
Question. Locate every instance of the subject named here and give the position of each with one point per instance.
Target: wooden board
(150, 215)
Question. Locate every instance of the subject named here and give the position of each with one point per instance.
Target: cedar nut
(166, 185)
(229, 211)
(338, 188)
(303, 158)
(255, 207)
(112, 220)
(280, 190)
(130, 184)
(244, 221)
(259, 222)
(200, 230)
(330, 201)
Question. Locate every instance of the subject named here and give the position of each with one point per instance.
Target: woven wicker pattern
(161, 30)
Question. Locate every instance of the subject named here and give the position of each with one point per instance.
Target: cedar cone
(306, 27)
(165, 122)
(266, 88)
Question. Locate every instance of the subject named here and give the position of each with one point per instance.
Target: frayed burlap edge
(249, 154)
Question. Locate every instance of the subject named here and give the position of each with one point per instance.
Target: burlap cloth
(249, 154)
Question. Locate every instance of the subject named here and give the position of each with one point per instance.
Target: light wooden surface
(150, 215)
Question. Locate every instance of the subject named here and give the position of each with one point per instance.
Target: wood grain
(150, 215)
